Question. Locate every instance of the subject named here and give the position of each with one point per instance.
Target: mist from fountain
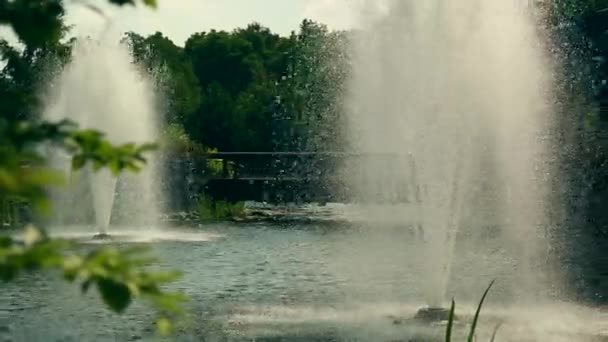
(102, 89)
(461, 87)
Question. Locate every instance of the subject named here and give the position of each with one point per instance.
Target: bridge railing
(298, 165)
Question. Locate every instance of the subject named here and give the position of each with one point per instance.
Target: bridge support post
(224, 168)
(265, 194)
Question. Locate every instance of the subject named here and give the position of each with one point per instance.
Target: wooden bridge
(267, 166)
(291, 176)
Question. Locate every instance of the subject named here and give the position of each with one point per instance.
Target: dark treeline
(245, 90)
(579, 44)
(249, 89)
(253, 90)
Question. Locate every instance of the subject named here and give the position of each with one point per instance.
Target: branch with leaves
(120, 276)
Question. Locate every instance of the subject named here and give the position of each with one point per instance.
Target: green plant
(176, 141)
(120, 276)
(237, 209)
(448, 332)
(206, 208)
(476, 318)
(495, 332)
(211, 210)
(226, 210)
(451, 318)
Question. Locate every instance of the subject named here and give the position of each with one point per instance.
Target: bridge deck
(293, 166)
(307, 153)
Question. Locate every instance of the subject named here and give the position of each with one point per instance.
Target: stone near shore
(102, 236)
(433, 315)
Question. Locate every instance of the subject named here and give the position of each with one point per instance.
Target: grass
(211, 210)
(448, 332)
(495, 332)
(471, 337)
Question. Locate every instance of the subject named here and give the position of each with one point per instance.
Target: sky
(178, 19)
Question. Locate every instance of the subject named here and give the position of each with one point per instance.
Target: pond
(262, 282)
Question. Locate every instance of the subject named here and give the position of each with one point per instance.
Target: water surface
(293, 283)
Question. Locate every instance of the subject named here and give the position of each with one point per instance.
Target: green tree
(318, 81)
(272, 49)
(253, 117)
(579, 45)
(237, 72)
(223, 58)
(24, 70)
(174, 72)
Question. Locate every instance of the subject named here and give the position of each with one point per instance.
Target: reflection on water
(305, 283)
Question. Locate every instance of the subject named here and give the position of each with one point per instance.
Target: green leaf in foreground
(121, 276)
(163, 326)
(474, 324)
(116, 295)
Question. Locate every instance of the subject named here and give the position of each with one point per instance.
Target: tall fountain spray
(102, 89)
(460, 87)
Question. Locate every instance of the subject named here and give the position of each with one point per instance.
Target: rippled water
(303, 283)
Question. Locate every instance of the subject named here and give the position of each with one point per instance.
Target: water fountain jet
(460, 86)
(102, 89)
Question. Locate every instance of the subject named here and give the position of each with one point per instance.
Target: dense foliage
(249, 89)
(579, 29)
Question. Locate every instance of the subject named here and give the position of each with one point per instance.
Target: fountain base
(102, 236)
(431, 314)
(427, 315)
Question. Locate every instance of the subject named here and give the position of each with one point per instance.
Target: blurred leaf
(84, 287)
(8, 271)
(24, 178)
(71, 266)
(149, 3)
(7, 180)
(116, 295)
(163, 326)
(133, 168)
(147, 147)
(35, 22)
(5, 241)
(169, 302)
(115, 167)
(78, 162)
(31, 236)
(42, 204)
(44, 177)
